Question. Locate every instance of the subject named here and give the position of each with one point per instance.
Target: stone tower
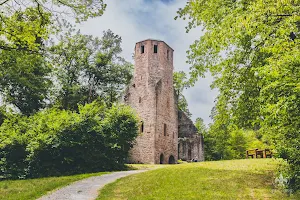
(151, 94)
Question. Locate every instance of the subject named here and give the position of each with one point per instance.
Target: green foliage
(80, 10)
(24, 75)
(56, 142)
(24, 30)
(201, 127)
(3, 114)
(251, 47)
(111, 73)
(232, 143)
(181, 82)
(89, 68)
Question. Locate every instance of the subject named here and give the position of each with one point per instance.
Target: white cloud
(135, 20)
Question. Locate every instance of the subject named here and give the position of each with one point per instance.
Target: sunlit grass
(144, 166)
(235, 179)
(34, 188)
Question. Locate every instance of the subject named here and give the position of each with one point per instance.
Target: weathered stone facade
(151, 94)
(190, 143)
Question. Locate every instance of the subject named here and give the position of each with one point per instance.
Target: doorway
(161, 159)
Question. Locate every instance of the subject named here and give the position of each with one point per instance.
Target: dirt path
(87, 189)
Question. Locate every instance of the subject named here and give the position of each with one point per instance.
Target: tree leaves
(249, 50)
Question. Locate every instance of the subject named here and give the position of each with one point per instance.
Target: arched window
(172, 160)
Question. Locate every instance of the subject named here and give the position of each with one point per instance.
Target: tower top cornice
(151, 39)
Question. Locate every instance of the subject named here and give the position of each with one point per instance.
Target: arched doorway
(171, 160)
(161, 159)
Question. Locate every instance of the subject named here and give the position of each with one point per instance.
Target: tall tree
(25, 28)
(111, 73)
(89, 68)
(24, 73)
(251, 47)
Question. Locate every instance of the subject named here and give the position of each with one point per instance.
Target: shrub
(59, 142)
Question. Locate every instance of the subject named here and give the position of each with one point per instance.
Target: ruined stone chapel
(166, 133)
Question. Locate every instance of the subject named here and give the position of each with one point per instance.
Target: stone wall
(190, 143)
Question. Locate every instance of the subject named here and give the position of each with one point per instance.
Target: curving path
(87, 189)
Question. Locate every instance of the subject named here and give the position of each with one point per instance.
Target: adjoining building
(152, 95)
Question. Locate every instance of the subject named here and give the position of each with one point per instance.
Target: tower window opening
(142, 127)
(142, 49)
(155, 48)
(140, 100)
(165, 129)
(168, 54)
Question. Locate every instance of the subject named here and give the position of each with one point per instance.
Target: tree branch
(4, 2)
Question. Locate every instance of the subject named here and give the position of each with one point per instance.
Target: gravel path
(87, 189)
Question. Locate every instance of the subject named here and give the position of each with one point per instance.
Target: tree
(25, 28)
(201, 127)
(89, 68)
(28, 35)
(181, 82)
(251, 47)
(111, 73)
(24, 75)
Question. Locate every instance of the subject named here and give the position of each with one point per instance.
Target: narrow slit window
(142, 127)
(165, 129)
(155, 48)
(140, 100)
(168, 54)
(142, 49)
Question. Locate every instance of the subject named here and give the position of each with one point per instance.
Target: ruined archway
(172, 160)
(161, 159)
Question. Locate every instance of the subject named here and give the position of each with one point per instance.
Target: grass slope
(234, 179)
(34, 188)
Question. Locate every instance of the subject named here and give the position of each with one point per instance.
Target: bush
(59, 142)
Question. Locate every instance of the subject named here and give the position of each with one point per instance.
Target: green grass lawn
(234, 179)
(34, 188)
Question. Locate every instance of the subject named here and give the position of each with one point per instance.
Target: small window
(168, 54)
(142, 127)
(142, 49)
(155, 48)
(140, 100)
(165, 129)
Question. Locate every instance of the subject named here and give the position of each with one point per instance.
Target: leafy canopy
(251, 47)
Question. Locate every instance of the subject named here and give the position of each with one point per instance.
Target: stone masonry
(151, 94)
(190, 143)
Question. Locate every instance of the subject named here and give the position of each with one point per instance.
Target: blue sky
(135, 20)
